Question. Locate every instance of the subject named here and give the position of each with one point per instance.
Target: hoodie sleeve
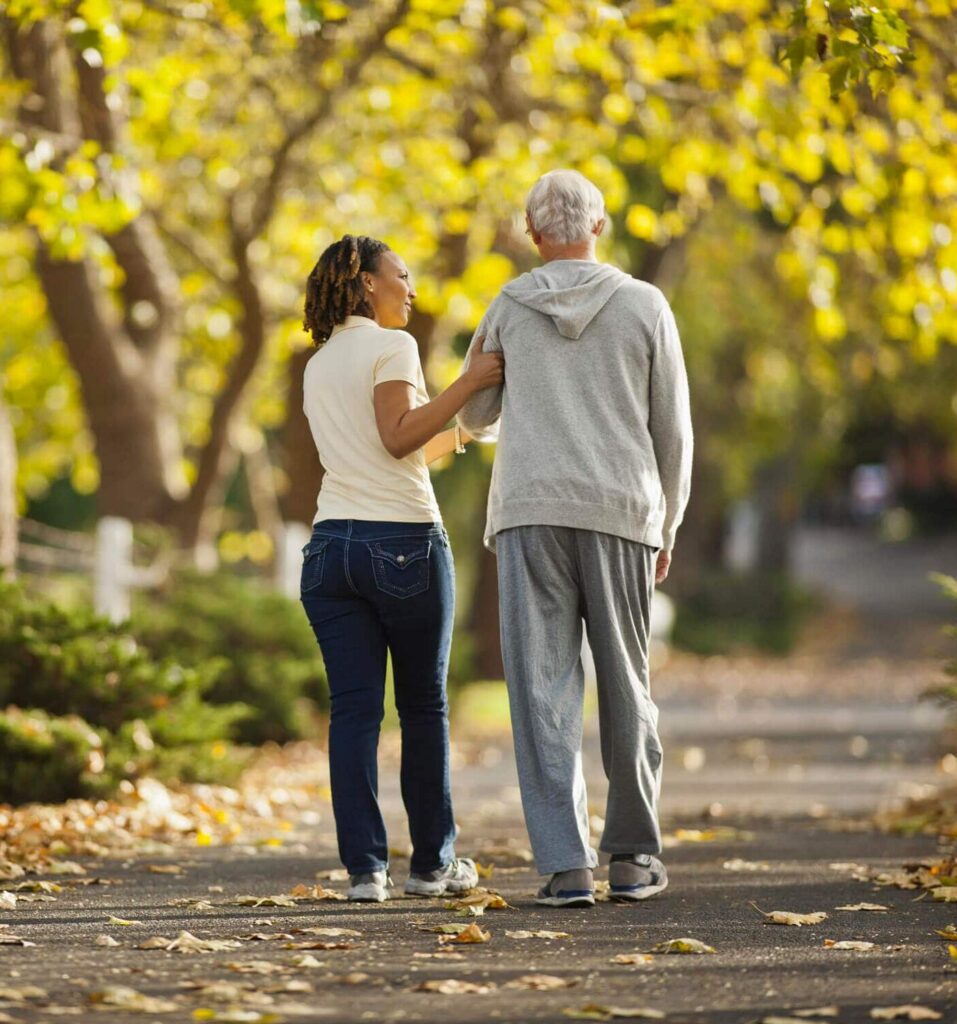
(480, 414)
(669, 421)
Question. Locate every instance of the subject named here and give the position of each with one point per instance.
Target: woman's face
(389, 291)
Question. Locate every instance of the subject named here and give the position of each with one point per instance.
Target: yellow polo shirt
(362, 480)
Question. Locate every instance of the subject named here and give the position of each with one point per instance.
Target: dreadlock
(334, 289)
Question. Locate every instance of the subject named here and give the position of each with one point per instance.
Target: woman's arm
(404, 428)
(443, 444)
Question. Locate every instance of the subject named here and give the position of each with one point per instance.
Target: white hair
(564, 206)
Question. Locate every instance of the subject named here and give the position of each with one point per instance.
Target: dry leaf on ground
(257, 967)
(236, 1015)
(817, 1011)
(944, 893)
(854, 944)
(38, 886)
(121, 922)
(105, 940)
(8, 900)
(787, 917)
(737, 864)
(864, 906)
(596, 1011)
(165, 869)
(22, 994)
(315, 893)
(186, 942)
(121, 997)
(8, 939)
(356, 978)
(453, 928)
(950, 932)
(631, 958)
(260, 901)
(681, 946)
(541, 982)
(909, 1012)
(306, 960)
(471, 934)
(333, 875)
(326, 931)
(446, 953)
(453, 987)
(321, 944)
(540, 934)
(478, 901)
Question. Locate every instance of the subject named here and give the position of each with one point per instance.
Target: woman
(377, 577)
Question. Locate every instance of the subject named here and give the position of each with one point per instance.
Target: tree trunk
(8, 495)
(299, 458)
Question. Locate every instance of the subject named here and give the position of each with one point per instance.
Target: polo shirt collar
(353, 321)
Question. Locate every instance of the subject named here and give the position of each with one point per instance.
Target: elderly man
(590, 482)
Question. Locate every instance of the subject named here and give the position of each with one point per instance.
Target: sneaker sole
(367, 897)
(636, 895)
(437, 888)
(565, 901)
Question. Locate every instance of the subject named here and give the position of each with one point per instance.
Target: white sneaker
(372, 887)
(458, 876)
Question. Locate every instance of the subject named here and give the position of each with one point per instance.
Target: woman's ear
(367, 285)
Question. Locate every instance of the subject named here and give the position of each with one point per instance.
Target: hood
(571, 292)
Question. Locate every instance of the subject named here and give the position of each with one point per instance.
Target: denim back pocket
(401, 566)
(313, 561)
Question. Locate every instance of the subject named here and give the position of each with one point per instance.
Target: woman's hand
(486, 370)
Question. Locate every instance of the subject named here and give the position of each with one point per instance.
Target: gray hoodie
(595, 428)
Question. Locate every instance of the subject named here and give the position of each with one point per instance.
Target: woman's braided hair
(334, 289)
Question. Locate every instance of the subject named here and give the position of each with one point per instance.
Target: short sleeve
(399, 360)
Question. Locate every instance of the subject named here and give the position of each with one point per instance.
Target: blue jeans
(372, 589)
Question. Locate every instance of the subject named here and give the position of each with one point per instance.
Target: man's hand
(662, 567)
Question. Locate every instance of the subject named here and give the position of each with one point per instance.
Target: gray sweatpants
(550, 579)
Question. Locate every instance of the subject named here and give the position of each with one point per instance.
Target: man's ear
(598, 228)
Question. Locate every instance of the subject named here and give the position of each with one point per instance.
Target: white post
(112, 568)
(291, 538)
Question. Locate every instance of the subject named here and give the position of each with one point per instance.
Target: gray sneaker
(635, 877)
(371, 887)
(568, 889)
(457, 876)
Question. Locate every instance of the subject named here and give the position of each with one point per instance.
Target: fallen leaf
(631, 958)
(334, 875)
(121, 922)
(38, 886)
(446, 953)
(817, 1011)
(314, 893)
(165, 869)
(8, 939)
(8, 900)
(950, 932)
(480, 899)
(540, 982)
(786, 917)
(261, 901)
(64, 867)
(484, 870)
(737, 864)
(443, 929)
(105, 940)
(453, 987)
(471, 934)
(22, 994)
(236, 1015)
(855, 944)
(945, 893)
(909, 1012)
(354, 978)
(681, 946)
(325, 931)
(864, 906)
(257, 967)
(541, 934)
(952, 951)
(596, 1011)
(123, 998)
(191, 902)
(320, 944)
(304, 960)
(186, 942)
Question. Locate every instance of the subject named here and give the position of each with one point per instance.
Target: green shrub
(90, 679)
(49, 759)
(272, 661)
(732, 611)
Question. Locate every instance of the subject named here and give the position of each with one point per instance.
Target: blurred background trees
(786, 173)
